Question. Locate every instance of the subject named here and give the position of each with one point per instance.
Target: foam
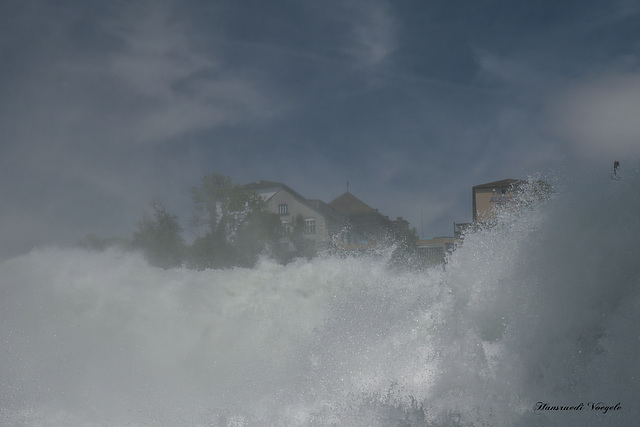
(544, 307)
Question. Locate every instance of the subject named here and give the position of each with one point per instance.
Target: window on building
(286, 227)
(283, 209)
(310, 226)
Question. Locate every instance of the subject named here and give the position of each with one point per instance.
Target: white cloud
(494, 69)
(374, 33)
(180, 88)
(600, 116)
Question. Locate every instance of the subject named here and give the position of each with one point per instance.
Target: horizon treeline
(235, 228)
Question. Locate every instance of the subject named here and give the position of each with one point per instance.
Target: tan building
(488, 197)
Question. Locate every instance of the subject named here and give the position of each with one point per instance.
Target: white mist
(543, 308)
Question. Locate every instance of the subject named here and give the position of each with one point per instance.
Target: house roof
(269, 188)
(501, 183)
(348, 204)
(328, 211)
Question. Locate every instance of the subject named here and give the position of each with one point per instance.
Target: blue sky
(107, 105)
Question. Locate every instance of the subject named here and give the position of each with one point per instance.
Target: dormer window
(283, 209)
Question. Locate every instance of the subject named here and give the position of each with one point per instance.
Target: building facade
(367, 226)
(346, 223)
(487, 198)
(319, 222)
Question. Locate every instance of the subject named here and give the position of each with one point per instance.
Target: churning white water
(533, 322)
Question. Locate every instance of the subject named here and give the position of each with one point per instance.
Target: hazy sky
(106, 105)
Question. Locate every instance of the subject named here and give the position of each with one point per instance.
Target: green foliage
(210, 252)
(238, 225)
(158, 236)
(304, 247)
(259, 234)
(405, 240)
(234, 228)
(222, 206)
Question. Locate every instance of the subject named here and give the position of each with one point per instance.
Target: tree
(259, 234)
(222, 206)
(304, 247)
(405, 240)
(210, 252)
(237, 223)
(158, 236)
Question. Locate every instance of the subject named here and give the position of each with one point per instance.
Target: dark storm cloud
(106, 105)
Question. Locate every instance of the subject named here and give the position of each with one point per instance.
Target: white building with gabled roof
(322, 223)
